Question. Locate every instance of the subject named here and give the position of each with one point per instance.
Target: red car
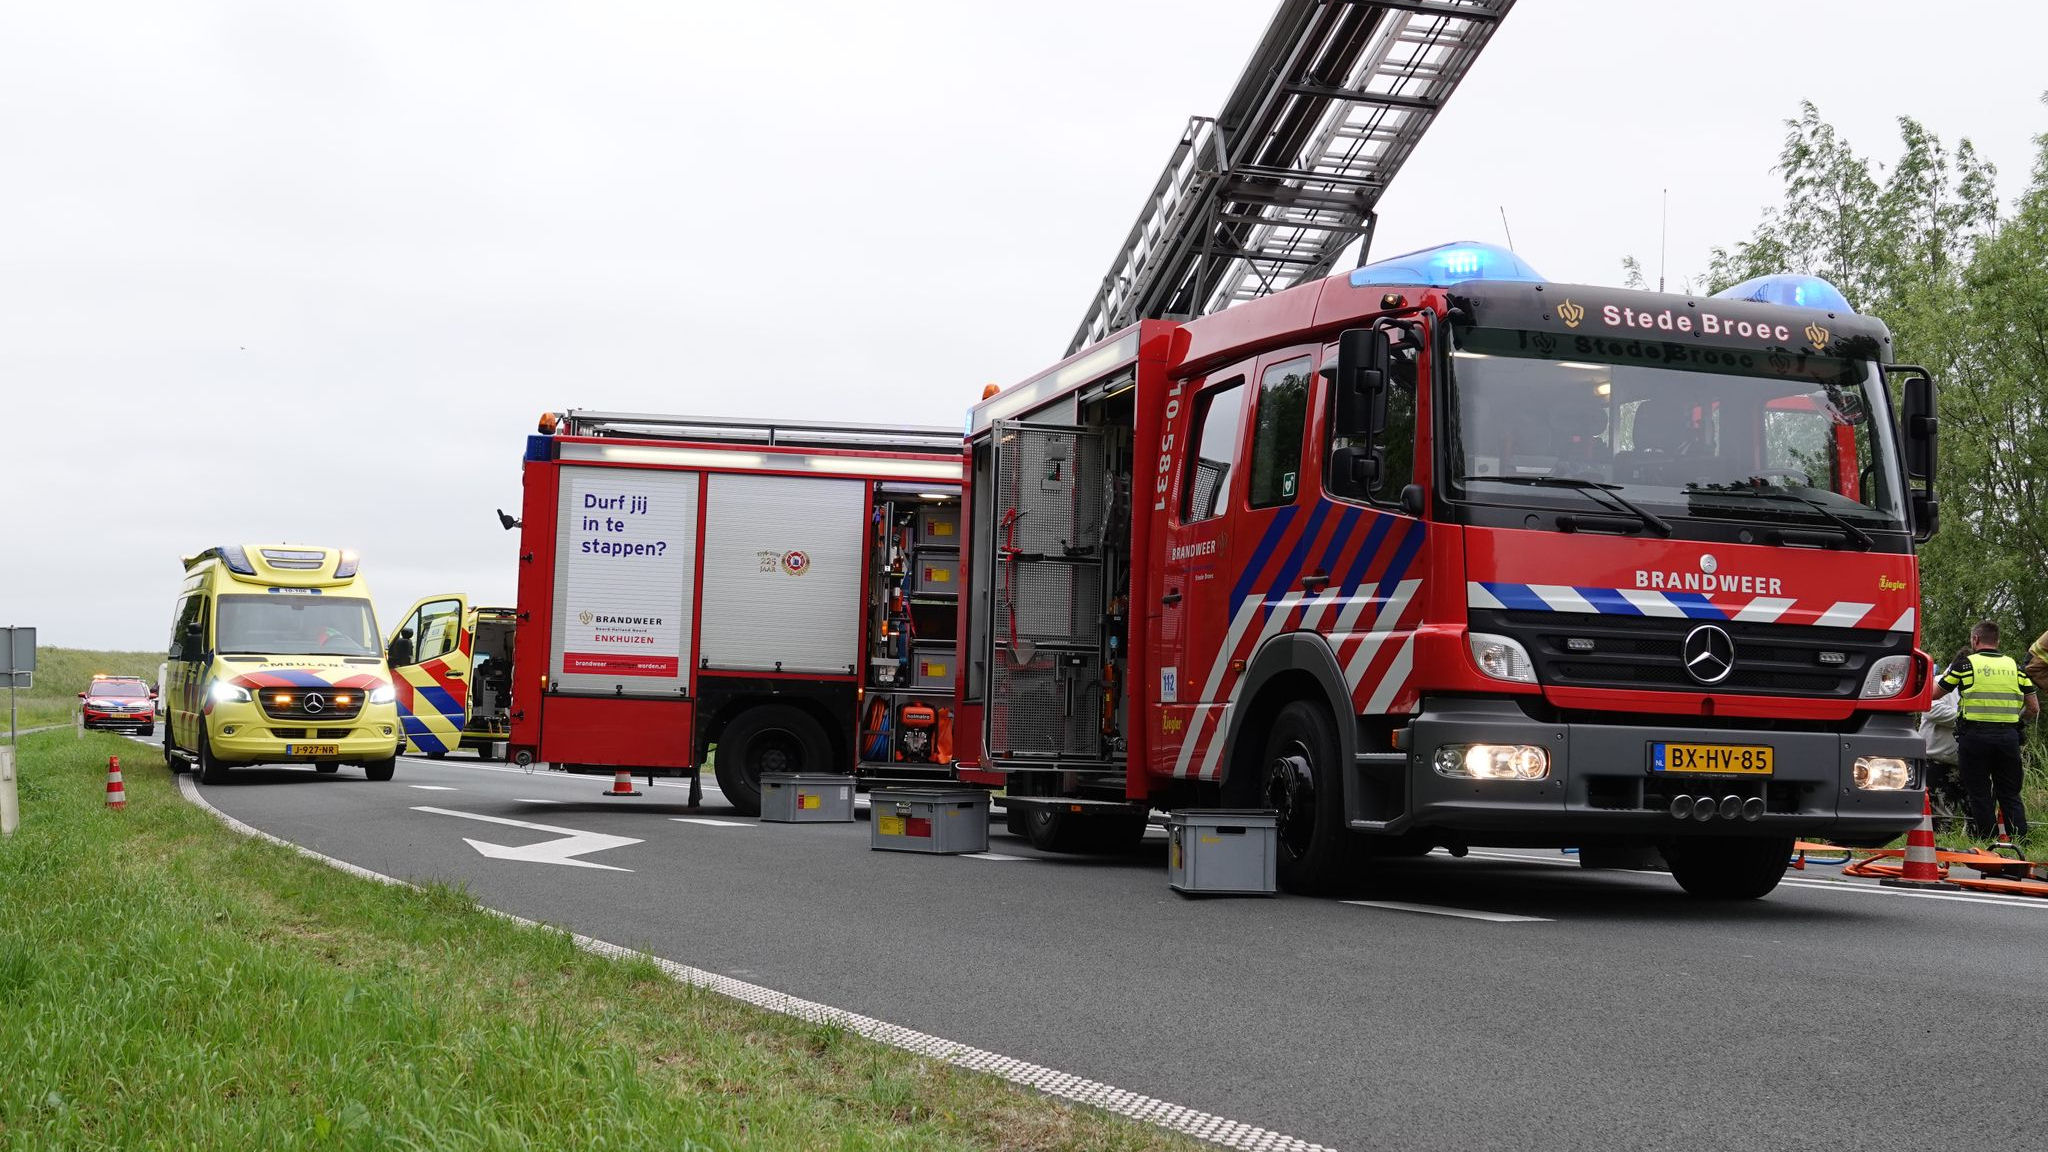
(119, 702)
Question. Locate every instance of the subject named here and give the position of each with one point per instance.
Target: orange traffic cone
(622, 784)
(1922, 868)
(117, 796)
(2004, 841)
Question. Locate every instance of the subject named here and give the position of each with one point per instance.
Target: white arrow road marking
(708, 820)
(432, 787)
(1462, 913)
(572, 844)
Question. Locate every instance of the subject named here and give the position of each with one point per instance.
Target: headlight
(1493, 761)
(1887, 677)
(1501, 658)
(226, 693)
(1883, 773)
(383, 694)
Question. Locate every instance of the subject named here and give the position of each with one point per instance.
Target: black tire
(1013, 819)
(1638, 855)
(211, 770)
(1055, 830)
(1302, 781)
(767, 738)
(327, 769)
(146, 730)
(381, 769)
(172, 760)
(1729, 868)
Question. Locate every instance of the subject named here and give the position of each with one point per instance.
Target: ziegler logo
(1887, 584)
(1570, 313)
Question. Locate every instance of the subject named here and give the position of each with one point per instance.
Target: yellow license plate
(1712, 759)
(312, 749)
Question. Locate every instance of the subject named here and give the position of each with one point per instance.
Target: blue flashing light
(1448, 264)
(237, 560)
(1790, 289)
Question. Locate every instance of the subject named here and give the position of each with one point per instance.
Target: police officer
(1995, 699)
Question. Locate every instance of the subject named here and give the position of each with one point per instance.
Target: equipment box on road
(790, 798)
(1222, 851)
(936, 820)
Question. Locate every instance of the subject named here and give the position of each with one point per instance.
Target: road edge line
(1186, 1121)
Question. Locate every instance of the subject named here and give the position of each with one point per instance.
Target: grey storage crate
(937, 820)
(939, 525)
(1222, 851)
(935, 574)
(798, 798)
(933, 665)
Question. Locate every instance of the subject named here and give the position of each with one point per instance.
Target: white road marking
(572, 843)
(529, 800)
(432, 787)
(992, 856)
(711, 822)
(1843, 885)
(1461, 913)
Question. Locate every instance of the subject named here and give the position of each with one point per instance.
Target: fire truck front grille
(1586, 650)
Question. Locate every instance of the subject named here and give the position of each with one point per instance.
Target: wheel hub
(1291, 792)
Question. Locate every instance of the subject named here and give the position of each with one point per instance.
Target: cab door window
(1276, 433)
(184, 645)
(439, 631)
(1217, 430)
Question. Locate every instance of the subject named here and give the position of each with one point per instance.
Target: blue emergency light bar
(1791, 289)
(1448, 264)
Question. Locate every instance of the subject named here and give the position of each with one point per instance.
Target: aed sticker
(889, 826)
(805, 801)
(1287, 484)
(1169, 685)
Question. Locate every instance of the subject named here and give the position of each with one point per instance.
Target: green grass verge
(165, 983)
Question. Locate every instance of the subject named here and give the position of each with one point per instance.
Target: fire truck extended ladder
(771, 433)
(1265, 196)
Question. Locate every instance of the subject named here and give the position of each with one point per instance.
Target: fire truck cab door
(1044, 650)
(1206, 420)
(429, 654)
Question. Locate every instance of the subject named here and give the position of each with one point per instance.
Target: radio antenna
(1504, 227)
(1663, 238)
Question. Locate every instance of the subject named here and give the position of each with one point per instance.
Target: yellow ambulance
(275, 658)
(451, 663)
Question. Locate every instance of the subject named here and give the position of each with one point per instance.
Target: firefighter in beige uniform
(1996, 697)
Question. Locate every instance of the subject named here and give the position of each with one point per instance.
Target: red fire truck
(785, 592)
(1438, 553)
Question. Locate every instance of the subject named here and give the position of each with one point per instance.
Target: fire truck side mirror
(1361, 383)
(1920, 431)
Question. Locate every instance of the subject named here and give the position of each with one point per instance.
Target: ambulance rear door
(430, 657)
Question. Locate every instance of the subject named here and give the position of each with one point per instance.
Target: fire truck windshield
(1674, 431)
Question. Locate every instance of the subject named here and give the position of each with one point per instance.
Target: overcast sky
(309, 271)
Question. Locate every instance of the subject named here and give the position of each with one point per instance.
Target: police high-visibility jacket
(1993, 690)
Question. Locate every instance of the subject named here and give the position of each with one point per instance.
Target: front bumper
(241, 734)
(1600, 784)
(97, 719)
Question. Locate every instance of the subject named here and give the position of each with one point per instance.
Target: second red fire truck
(1438, 553)
(784, 593)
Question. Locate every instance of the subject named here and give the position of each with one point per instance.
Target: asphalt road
(1621, 1015)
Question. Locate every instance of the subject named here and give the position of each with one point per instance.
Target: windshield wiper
(1651, 520)
(1856, 535)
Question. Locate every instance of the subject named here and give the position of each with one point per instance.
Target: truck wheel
(767, 738)
(1729, 868)
(381, 769)
(1054, 830)
(1303, 782)
(211, 770)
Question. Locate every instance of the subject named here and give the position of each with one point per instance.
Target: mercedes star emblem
(315, 702)
(1709, 654)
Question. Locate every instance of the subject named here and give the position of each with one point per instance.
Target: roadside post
(10, 804)
(18, 666)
